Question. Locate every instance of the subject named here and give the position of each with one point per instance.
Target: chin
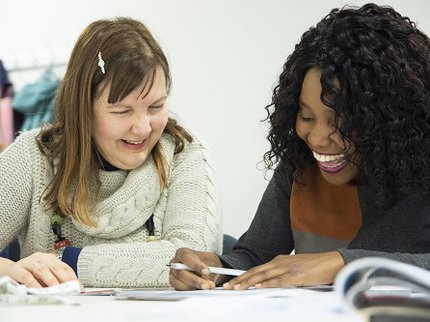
(130, 167)
(134, 165)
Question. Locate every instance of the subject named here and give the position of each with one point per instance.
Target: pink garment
(6, 121)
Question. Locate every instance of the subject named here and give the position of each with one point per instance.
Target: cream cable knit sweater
(116, 254)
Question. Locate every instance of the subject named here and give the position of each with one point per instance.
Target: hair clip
(101, 62)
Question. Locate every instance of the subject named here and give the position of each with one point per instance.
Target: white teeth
(328, 158)
(133, 142)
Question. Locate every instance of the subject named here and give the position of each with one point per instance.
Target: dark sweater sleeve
(401, 231)
(71, 256)
(270, 232)
(421, 260)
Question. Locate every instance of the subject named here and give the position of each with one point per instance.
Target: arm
(400, 232)
(15, 189)
(191, 219)
(270, 232)
(420, 260)
(16, 195)
(268, 237)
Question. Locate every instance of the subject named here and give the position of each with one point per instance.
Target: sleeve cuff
(70, 257)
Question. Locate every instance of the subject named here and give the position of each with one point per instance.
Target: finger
(214, 277)
(178, 284)
(256, 277)
(238, 280)
(251, 272)
(184, 280)
(189, 258)
(278, 281)
(261, 277)
(192, 280)
(42, 272)
(63, 272)
(25, 277)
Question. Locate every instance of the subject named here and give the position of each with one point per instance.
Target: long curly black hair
(375, 68)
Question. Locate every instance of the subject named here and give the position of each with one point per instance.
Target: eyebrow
(118, 104)
(303, 103)
(159, 100)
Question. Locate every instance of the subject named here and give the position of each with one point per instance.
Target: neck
(105, 165)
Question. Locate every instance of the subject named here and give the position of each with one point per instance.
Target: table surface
(274, 305)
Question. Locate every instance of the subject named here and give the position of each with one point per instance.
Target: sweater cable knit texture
(115, 253)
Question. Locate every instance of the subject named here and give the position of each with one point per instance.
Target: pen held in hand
(213, 270)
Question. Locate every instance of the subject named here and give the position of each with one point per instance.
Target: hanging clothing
(6, 121)
(6, 112)
(36, 100)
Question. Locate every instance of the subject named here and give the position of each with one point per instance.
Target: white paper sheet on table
(172, 295)
(250, 305)
(143, 294)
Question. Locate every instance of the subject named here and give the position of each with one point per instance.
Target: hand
(38, 270)
(200, 278)
(287, 270)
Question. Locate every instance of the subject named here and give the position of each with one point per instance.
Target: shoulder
(28, 136)
(197, 146)
(26, 142)
(282, 179)
(194, 161)
(23, 153)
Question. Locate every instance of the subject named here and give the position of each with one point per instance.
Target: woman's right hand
(200, 277)
(37, 270)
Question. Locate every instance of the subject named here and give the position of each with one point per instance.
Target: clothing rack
(35, 67)
(35, 59)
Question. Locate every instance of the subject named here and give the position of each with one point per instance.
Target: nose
(320, 135)
(141, 125)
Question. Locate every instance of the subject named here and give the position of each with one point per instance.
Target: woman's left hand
(288, 270)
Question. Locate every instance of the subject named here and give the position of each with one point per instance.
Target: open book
(386, 290)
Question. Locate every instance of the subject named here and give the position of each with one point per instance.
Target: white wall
(225, 57)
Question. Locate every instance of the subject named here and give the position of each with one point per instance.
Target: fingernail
(258, 285)
(205, 271)
(237, 286)
(205, 286)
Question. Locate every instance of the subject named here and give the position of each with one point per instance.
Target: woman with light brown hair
(114, 186)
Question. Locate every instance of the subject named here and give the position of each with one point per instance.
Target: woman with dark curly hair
(350, 144)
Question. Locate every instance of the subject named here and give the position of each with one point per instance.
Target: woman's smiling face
(315, 126)
(125, 132)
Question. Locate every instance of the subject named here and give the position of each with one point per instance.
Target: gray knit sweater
(115, 253)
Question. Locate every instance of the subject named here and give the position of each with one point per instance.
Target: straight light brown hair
(132, 56)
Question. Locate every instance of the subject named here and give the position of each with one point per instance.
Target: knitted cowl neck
(127, 198)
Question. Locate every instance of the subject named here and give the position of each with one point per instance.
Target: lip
(335, 169)
(322, 153)
(133, 147)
